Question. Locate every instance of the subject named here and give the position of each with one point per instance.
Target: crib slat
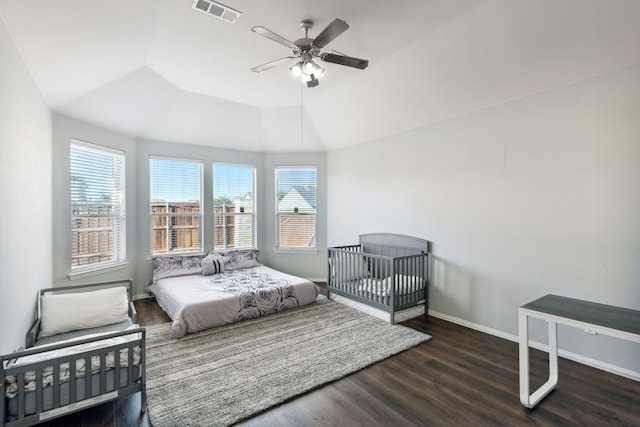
(72, 381)
(87, 377)
(21, 394)
(116, 370)
(56, 385)
(39, 373)
(130, 366)
(103, 372)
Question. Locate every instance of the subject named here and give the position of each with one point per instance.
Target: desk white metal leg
(553, 354)
(523, 333)
(523, 330)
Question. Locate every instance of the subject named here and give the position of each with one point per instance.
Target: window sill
(310, 251)
(97, 270)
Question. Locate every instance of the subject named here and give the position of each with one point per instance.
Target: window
(296, 207)
(97, 206)
(234, 206)
(176, 214)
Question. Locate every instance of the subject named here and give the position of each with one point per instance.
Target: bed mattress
(404, 285)
(197, 302)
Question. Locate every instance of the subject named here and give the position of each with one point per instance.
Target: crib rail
(80, 391)
(386, 277)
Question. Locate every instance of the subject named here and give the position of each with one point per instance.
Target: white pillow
(82, 310)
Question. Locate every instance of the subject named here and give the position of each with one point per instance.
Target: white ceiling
(158, 69)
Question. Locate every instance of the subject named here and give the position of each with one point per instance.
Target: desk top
(608, 316)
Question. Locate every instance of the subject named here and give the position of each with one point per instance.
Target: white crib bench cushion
(82, 310)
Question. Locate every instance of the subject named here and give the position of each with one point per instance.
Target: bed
(84, 349)
(388, 272)
(197, 297)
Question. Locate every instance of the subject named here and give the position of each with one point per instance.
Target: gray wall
(312, 263)
(65, 128)
(25, 195)
(535, 196)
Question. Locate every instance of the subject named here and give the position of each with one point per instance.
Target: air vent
(217, 9)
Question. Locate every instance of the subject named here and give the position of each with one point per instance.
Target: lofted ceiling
(157, 69)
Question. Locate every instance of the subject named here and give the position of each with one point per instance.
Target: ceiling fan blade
(272, 64)
(333, 30)
(275, 37)
(345, 60)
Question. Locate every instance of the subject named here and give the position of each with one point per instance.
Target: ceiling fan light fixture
(307, 71)
(296, 69)
(309, 67)
(319, 71)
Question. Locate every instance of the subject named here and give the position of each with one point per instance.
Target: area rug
(227, 374)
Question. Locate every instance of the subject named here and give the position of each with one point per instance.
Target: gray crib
(386, 271)
(66, 376)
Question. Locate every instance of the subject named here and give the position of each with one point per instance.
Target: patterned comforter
(197, 302)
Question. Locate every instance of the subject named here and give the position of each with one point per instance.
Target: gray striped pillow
(212, 264)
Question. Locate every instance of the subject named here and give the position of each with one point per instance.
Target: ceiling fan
(306, 49)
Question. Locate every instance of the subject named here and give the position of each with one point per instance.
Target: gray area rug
(226, 374)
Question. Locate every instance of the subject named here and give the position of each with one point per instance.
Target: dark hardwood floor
(459, 377)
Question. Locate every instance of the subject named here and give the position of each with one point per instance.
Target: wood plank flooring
(459, 377)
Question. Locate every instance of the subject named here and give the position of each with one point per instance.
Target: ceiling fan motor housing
(304, 45)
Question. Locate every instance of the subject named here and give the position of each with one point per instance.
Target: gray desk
(592, 317)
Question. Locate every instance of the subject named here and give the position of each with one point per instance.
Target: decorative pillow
(240, 258)
(172, 266)
(349, 268)
(191, 262)
(212, 264)
(82, 310)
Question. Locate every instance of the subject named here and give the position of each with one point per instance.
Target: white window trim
(299, 249)
(310, 250)
(90, 270)
(202, 213)
(254, 215)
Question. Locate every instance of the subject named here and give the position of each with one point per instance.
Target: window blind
(296, 206)
(98, 208)
(176, 208)
(234, 206)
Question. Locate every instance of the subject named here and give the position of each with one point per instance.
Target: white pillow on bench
(82, 310)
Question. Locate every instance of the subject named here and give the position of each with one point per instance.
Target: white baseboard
(598, 364)
(141, 296)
